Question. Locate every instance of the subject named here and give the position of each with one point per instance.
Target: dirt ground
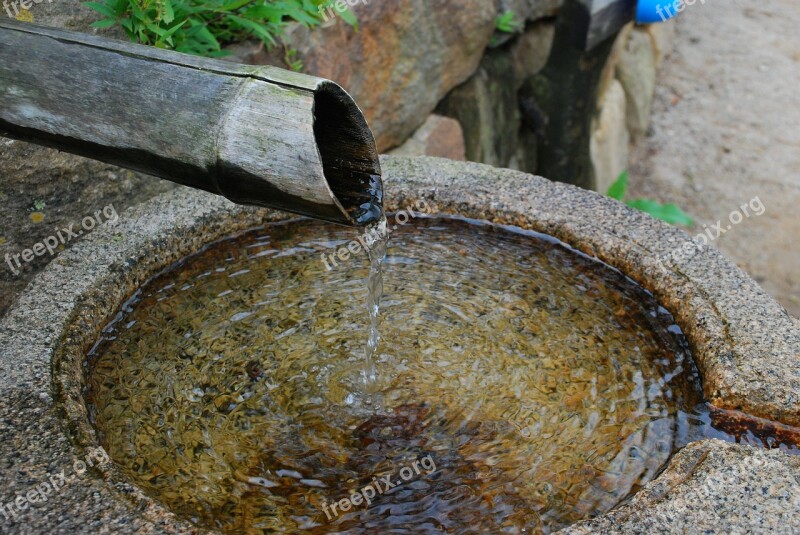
(726, 129)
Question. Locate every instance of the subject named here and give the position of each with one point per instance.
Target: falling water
(370, 213)
(378, 242)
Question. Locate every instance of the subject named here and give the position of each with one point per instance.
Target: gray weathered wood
(257, 135)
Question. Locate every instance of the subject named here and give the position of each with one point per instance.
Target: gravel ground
(726, 129)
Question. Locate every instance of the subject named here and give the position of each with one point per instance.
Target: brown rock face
(530, 52)
(405, 56)
(439, 136)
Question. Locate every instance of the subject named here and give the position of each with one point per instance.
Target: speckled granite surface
(746, 345)
(712, 487)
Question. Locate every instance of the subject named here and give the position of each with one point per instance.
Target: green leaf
(349, 17)
(172, 31)
(102, 9)
(507, 22)
(138, 14)
(156, 30)
(256, 28)
(297, 13)
(263, 12)
(200, 34)
(120, 7)
(106, 23)
(619, 187)
(666, 212)
(234, 5)
(169, 14)
(127, 24)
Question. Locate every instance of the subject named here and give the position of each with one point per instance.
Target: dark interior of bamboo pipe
(349, 155)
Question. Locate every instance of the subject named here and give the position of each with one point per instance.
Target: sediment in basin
(544, 385)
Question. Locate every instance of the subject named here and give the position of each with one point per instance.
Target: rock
(525, 11)
(712, 487)
(403, 59)
(559, 102)
(531, 10)
(636, 71)
(610, 138)
(438, 136)
(610, 69)
(662, 37)
(527, 156)
(530, 51)
(69, 15)
(70, 187)
(486, 106)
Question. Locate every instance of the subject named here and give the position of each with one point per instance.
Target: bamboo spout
(257, 135)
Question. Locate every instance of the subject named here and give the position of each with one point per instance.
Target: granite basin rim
(745, 344)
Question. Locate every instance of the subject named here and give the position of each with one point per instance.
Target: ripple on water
(544, 385)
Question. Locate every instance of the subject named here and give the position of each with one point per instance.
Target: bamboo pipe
(257, 135)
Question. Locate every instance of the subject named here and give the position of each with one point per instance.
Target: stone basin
(746, 347)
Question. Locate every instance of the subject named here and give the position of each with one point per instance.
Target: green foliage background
(203, 27)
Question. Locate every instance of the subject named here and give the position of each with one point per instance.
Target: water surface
(543, 385)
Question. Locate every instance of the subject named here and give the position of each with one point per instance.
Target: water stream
(378, 242)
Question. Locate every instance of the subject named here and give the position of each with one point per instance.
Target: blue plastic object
(649, 11)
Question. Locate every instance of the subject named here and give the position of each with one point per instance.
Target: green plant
(203, 27)
(507, 22)
(290, 58)
(39, 205)
(666, 212)
(347, 15)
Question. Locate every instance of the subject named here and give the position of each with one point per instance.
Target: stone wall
(413, 62)
(625, 98)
